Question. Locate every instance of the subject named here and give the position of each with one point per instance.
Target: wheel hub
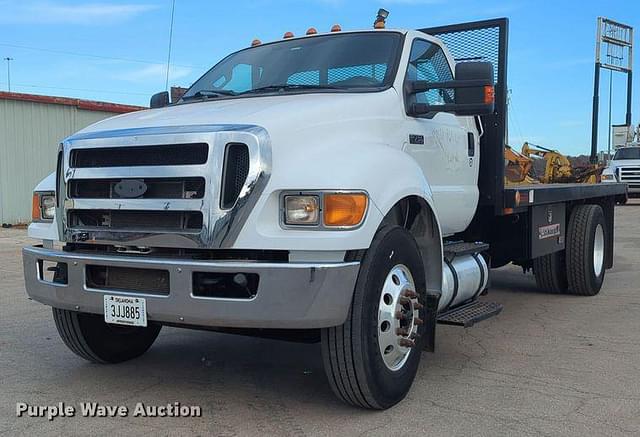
(398, 317)
(598, 250)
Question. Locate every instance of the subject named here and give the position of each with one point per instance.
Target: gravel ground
(548, 365)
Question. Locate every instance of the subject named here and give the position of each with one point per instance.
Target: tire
(551, 273)
(89, 337)
(586, 237)
(352, 355)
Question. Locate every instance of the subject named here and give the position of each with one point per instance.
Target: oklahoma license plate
(124, 310)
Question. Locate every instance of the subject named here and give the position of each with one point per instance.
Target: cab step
(470, 314)
(460, 248)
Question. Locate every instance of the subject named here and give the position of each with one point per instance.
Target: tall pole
(610, 99)
(173, 8)
(596, 97)
(8, 59)
(594, 115)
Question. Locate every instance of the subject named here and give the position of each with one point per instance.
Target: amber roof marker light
(381, 19)
(336, 28)
(287, 35)
(312, 31)
(255, 42)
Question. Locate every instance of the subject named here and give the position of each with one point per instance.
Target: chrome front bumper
(290, 295)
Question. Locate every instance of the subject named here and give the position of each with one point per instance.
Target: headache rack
(487, 41)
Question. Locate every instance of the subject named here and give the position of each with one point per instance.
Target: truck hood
(625, 163)
(280, 115)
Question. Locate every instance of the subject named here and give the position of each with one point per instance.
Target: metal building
(31, 127)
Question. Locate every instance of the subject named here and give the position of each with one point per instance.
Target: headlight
(608, 177)
(301, 210)
(345, 210)
(43, 206)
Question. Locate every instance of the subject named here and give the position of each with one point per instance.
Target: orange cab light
(379, 25)
(255, 42)
(35, 208)
(288, 35)
(336, 28)
(312, 31)
(489, 94)
(344, 209)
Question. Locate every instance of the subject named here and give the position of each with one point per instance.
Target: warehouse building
(31, 127)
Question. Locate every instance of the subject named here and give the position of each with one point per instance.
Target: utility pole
(8, 59)
(173, 9)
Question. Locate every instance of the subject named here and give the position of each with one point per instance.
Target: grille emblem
(130, 188)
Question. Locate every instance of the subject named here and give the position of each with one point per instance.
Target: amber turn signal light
(35, 207)
(489, 94)
(344, 209)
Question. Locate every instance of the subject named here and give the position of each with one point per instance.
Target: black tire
(352, 358)
(89, 337)
(582, 276)
(551, 273)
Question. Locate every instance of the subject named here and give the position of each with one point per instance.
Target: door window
(428, 62)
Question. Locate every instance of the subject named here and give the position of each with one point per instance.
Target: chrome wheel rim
(598, 250)
(398, 317)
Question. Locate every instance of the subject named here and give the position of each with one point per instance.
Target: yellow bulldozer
(519, 167)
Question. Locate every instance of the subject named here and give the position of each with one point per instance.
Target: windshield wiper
(289, 87)
(209, 94)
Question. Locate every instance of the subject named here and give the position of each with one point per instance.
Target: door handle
(471, 144)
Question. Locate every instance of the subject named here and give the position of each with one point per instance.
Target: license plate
(124, 310)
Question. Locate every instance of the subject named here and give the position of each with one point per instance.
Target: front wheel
(372, 359)
(90, 337)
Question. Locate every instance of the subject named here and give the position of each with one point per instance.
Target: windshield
(347, 62)
(627, 153)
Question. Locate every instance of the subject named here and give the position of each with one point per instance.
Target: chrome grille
(630, 175)
(160, 187)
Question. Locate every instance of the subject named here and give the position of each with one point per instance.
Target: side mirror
(159, 100)
(473, 90)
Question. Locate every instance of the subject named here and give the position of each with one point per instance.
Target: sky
(117, 51)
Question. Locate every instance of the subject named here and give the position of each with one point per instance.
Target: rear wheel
(586, 250)
(551, 272)
(372, 359)
(88, 336)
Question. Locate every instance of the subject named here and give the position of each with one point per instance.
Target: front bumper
(290, 295)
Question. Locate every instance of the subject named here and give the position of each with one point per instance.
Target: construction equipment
(517, 168)
(520, 168)
(558, 168)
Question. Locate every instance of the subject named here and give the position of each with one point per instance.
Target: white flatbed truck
(346, 188)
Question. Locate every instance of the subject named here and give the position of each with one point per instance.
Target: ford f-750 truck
(346, 188)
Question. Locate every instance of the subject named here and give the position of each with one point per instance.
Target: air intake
(234, 175)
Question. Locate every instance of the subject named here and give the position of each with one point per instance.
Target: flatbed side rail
(485, 41)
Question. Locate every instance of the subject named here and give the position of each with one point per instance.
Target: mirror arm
(467, 108)
(423, 85)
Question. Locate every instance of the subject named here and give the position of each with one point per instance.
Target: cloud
(48, 12)
(154, 72)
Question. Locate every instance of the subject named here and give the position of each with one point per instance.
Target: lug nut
(414, 336)
(410, 294)
(418, 306)
(402, 331)
(406, 342)
(418, 321)
(401, 316)
(404, 300)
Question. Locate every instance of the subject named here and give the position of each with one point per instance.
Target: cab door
(444, 145)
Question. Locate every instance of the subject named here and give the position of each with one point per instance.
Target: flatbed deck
(518, 197)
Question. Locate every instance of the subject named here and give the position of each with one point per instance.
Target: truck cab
(348, 186)
(625, 168)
